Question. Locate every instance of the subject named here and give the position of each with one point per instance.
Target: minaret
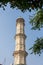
(20, 53)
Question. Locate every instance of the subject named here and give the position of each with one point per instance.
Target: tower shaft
(20, 53)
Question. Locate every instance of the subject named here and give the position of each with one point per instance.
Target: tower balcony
(23, 35)
(24, 53)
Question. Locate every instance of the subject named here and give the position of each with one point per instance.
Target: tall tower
(20, 53)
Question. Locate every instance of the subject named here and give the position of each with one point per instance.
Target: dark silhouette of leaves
(37, 48)
(23, 5)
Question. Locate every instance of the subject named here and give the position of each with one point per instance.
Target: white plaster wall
(22, 28)
(18, 28)
(19, 59)
(17, 43)
(20, 44)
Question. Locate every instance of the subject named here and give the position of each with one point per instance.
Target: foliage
(22, 4)
(37, 21)
(37, 48)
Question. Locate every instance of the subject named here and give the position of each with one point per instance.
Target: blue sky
(8, 31)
